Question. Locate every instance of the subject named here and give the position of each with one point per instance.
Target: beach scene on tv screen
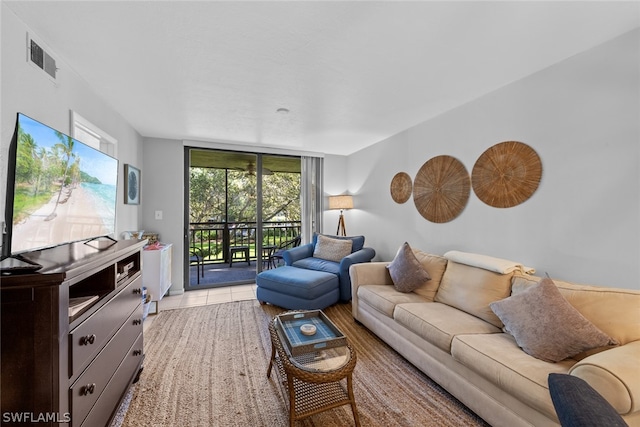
(65, 191)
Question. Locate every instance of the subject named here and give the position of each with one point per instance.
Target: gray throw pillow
(331, 249)
(406, 271)
(546, 326)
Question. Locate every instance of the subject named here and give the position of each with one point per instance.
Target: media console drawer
(88, 388)
(88, 338)
(112, 394)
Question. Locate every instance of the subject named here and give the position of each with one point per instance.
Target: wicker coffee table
(311, 374)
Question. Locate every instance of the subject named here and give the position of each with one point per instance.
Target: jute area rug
(206, 366)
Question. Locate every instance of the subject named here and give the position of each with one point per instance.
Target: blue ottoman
(297, 288)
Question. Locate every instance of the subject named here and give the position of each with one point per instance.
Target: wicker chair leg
(353, 400)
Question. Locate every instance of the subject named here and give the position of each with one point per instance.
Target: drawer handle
(137, 321)
(87, 389)
(89, 339)
(137, 291)
(137, 352)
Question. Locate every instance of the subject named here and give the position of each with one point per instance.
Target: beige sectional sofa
(446, 328)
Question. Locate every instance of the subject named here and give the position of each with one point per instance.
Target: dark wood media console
(59, 369)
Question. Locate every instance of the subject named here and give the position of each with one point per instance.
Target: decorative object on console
(441, 189)
(150, 236)
(341, 202)
(406, 271)
(131, 185)
(401, 187)
(506, 174)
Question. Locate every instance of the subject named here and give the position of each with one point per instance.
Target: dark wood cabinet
(74, 370)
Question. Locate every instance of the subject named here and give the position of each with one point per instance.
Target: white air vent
(38, 56)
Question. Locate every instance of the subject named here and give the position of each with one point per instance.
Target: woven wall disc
(401, 187)
(506, 174)
(441, 189)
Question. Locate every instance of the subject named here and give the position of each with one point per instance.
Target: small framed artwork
(131, 185)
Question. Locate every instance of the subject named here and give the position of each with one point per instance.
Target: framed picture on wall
(131, 185)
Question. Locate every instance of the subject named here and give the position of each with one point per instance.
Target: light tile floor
(204, 297)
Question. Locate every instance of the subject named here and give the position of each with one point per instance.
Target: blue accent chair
(302, 257)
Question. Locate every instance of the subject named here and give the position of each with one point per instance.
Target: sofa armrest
(371, 273)
(614, 374)
(294, 254)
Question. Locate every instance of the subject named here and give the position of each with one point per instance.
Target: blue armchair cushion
(318, 264)
(577, 404)
(332, 249)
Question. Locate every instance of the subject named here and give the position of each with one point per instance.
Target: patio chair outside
(276, 257)
(196, 257)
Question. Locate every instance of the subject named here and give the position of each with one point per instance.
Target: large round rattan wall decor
(401, 187)
(441, 189)
(506, 174)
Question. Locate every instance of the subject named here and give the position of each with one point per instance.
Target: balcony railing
(213, 239)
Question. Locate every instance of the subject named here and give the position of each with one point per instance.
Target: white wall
(163, 190)
(582, 116)
(27, 89)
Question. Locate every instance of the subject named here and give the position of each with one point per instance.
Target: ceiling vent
(38, 56)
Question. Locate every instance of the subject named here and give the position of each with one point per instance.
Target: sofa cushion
(406, 271)
(384, 298)
(472, 289)
(332, 249)
(498, 358)
(435, 265)
(614, 311)
(439, 323)
(546, 326)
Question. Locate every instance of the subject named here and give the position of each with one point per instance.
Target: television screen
(59, 191)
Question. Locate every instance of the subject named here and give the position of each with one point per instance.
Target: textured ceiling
(351, 73)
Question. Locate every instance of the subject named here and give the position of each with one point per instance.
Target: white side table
(156, 272)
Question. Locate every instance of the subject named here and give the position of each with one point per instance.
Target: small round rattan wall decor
(401, 187)
(441, 189)
(506, 174)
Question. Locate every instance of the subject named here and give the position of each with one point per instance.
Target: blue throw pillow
(577, 404)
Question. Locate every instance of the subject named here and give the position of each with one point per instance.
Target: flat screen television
(59, 190)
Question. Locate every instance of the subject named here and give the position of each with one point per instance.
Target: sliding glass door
(240, 208)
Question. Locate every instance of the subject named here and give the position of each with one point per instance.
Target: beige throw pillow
(406, 271)
(332, 249)
(546, 326)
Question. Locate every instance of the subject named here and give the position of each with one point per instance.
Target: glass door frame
(259, 232)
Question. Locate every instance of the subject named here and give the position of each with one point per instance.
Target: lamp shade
(341, 202)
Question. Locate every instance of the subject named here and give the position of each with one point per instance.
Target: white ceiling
(351, 73)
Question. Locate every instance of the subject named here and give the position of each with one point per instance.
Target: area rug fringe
(206, 366)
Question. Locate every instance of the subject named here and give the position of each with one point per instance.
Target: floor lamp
(341, 202)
